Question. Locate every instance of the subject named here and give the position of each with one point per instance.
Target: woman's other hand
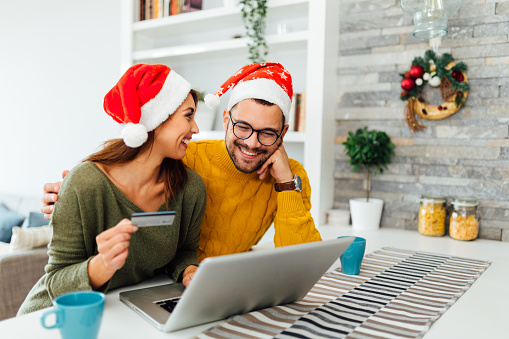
(188, 274)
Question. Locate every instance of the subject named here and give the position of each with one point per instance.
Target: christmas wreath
(437, 71)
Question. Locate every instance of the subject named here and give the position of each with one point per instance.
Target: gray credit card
(145, 219)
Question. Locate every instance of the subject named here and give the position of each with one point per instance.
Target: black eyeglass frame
(254, 130)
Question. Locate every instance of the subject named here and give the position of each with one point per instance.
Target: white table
(480, 313)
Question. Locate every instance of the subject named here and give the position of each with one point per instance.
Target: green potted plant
(371, 150)
(253, 14)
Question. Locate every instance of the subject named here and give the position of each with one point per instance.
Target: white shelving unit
(207, 46)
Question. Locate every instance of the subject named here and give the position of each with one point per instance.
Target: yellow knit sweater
(241, 207)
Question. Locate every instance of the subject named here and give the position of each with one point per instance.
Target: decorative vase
(230, 3)
(366, 215)
(205, 117)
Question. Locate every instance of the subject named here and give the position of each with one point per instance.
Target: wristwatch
(294, 185)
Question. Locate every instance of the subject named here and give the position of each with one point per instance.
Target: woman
(94, 245)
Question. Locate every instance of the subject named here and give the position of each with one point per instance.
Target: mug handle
(58, 315)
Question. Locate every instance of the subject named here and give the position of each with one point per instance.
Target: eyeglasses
(243, 130)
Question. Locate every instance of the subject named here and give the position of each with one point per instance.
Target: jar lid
(465, 202)
(430, 199)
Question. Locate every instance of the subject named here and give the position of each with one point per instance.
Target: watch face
(298, 183)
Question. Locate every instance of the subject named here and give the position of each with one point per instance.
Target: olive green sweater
(90, 203)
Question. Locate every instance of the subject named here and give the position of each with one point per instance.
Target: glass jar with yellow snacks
(432, 216)
(464, 222)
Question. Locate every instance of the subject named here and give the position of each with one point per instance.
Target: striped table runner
(398, 294)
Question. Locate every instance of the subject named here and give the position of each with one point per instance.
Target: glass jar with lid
(464, 222)
(432, 216)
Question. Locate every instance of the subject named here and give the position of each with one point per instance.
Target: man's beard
(256, 166)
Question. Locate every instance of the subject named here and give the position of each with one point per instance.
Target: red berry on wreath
(458, 76)
(439, 108)
(416, 72)
(407, 84)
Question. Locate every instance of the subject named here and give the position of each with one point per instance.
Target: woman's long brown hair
(173, 172)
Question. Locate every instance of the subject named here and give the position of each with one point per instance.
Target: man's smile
(243, 150)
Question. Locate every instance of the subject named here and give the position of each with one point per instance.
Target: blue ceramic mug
(78, 314)
(351, 259)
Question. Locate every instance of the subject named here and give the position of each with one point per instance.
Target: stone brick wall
(464, 155)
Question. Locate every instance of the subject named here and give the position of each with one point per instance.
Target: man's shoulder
(201, 149)
(202, 145)
(296, 167)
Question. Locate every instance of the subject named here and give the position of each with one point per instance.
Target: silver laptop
(238, 283)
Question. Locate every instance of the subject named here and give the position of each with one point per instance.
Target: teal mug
(78, 315)
(351, 259)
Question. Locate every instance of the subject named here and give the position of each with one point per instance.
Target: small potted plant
(372, 150)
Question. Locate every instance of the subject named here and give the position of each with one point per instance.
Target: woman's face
(173, 135)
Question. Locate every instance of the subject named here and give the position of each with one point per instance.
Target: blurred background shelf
(208, 46)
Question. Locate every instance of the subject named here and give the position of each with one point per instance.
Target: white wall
(58, 58)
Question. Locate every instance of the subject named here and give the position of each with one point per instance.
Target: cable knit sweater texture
(241, 207)
(90, 203)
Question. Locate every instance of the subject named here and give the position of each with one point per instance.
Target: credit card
(145, 219)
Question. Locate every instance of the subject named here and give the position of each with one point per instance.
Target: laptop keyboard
(168, 304)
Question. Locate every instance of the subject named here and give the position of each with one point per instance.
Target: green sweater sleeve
(90, 203)
(69, 250)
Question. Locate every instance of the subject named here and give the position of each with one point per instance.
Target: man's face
(248, 155)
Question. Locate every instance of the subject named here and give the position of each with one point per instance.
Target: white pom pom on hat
(212, 100)
(268, 81)
(144, 97)
(134, 135)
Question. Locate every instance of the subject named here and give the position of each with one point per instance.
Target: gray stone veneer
(465, 155)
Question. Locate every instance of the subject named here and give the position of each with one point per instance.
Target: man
(251, 182)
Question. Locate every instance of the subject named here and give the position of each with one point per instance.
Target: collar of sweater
(227, 166)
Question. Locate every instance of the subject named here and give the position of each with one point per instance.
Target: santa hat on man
(268, 81)
(144, 97)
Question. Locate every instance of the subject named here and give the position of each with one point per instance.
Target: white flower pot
(366, 215)
(204, 117)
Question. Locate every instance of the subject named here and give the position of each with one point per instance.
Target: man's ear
(226, 118)
(285, 129)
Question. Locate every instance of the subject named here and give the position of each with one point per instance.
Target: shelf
(220, 13)
(205, 46)
(295, 39)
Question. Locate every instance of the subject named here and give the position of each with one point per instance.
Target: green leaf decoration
(254, 13)
(371, 149)
(441, 63)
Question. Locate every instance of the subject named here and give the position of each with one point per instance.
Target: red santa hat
(268, 81)
(144, 97)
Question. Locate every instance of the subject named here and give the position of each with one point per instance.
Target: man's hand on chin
(277, 165)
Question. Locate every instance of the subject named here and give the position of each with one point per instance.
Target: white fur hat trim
(261, 89)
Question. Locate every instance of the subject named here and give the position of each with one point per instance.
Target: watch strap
(284, 186)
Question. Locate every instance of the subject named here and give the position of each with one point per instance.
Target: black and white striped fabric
(398, 294)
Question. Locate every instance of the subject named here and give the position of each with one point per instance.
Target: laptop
(236, 284)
